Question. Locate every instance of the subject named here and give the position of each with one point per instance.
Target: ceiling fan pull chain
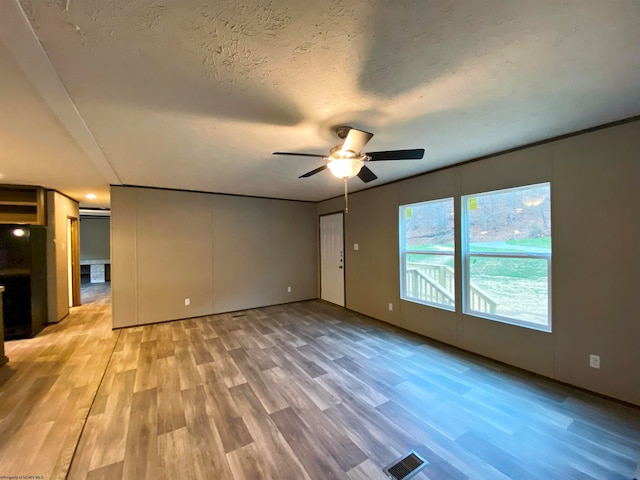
(346, 199)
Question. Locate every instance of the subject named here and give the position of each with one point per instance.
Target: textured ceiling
(196, 95)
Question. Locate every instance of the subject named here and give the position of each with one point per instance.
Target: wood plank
(176, 456)
(209, 459)
(222, 409)
(276, 459)
(317, 462)
(367, 470)
(115, 422)
(263, 387)
(107, 473)
(141, 451)
(224, 364)
(147, 373)
(170, 408)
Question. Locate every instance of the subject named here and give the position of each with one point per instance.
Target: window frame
(466, 255)
(404, 253)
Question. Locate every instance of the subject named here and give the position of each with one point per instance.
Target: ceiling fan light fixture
(345, 167)
(346, 160)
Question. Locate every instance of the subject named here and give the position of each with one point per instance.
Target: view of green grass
(476, 248)
(431, 259)
(530, 268)
(540, 242)
(431, 247)
(518, 285)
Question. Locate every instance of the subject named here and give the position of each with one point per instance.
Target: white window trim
(404, 253)
(466, 256)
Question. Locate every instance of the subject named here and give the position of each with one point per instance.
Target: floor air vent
(406, 467)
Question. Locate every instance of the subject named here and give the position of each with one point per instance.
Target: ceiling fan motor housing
(335, 149)
(342, 131)
(336, 153)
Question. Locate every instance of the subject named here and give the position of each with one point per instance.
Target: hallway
(49, 384)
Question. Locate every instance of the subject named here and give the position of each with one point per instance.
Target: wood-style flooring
(48, 386)
(299, 391)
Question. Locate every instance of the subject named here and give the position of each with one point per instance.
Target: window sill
(510, 321)
(429, 304)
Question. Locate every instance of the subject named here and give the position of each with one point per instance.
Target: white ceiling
(196, 95)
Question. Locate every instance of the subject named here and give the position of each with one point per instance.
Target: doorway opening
(73, 261)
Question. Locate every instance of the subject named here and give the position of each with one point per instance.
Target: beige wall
(59, 209)
(595, 181)
(94, 238)
(223, 252)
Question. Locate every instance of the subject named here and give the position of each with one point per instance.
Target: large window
(427, 253)
(506, 255)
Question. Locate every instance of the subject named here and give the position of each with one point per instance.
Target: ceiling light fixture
(90, 196)
(19, 232)
(344, 164)
(345, 167)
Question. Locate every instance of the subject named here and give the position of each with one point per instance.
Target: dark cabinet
(23, 274)
(22, 204)
(3, 358)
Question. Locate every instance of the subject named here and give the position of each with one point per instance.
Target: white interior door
(332, 258)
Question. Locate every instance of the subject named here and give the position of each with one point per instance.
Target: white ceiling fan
(346, 160)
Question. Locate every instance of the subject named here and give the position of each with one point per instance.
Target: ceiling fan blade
(313, 172)
(316, 155)
(416, 154)
(356, 140)
(366, 175)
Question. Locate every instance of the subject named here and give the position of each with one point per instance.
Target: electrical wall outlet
(594, 361)
(187, 301)
(289, 289)
(391, 307)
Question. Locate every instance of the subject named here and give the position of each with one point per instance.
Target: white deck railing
(436, 283)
